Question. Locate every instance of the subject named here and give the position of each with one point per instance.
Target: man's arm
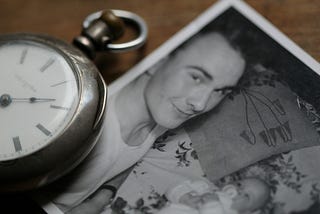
(102, 197)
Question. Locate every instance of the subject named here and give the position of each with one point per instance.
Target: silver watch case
(74, 143)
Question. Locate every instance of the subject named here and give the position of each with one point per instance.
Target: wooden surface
(298, 19)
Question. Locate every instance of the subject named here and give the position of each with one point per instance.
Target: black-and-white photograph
(223, 118)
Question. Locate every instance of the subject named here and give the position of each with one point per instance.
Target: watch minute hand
(33, 99)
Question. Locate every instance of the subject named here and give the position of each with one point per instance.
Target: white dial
(38, 97)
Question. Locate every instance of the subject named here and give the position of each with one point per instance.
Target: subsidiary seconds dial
(39, 94)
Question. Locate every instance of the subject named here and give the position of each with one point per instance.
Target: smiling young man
(195, 80)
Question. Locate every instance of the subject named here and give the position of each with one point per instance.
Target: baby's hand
(209, 197)
(191, 200)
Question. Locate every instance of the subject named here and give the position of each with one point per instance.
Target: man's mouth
(185, 113)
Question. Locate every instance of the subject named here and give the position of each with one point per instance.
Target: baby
(201, 197)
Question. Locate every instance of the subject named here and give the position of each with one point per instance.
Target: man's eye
(221, 91)
(224, 91)
(196, 78)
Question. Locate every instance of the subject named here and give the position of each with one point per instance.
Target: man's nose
(198, 101)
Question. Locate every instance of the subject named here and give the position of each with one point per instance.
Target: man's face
(194, 80)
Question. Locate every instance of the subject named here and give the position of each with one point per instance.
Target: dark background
(298, 19)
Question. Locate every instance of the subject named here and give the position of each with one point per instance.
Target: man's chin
(169, 119)
(169, 124)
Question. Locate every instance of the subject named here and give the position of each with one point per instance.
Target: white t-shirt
(109, 157)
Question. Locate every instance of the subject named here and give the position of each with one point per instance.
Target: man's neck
(132, 112)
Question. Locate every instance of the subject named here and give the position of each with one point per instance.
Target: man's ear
(230, 190)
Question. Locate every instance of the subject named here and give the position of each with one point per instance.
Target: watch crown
(108, 27)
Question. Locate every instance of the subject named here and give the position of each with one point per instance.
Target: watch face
(38, 97)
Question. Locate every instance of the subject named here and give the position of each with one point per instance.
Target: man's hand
(100, 199)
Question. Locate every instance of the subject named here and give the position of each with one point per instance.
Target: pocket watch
(53, 99)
